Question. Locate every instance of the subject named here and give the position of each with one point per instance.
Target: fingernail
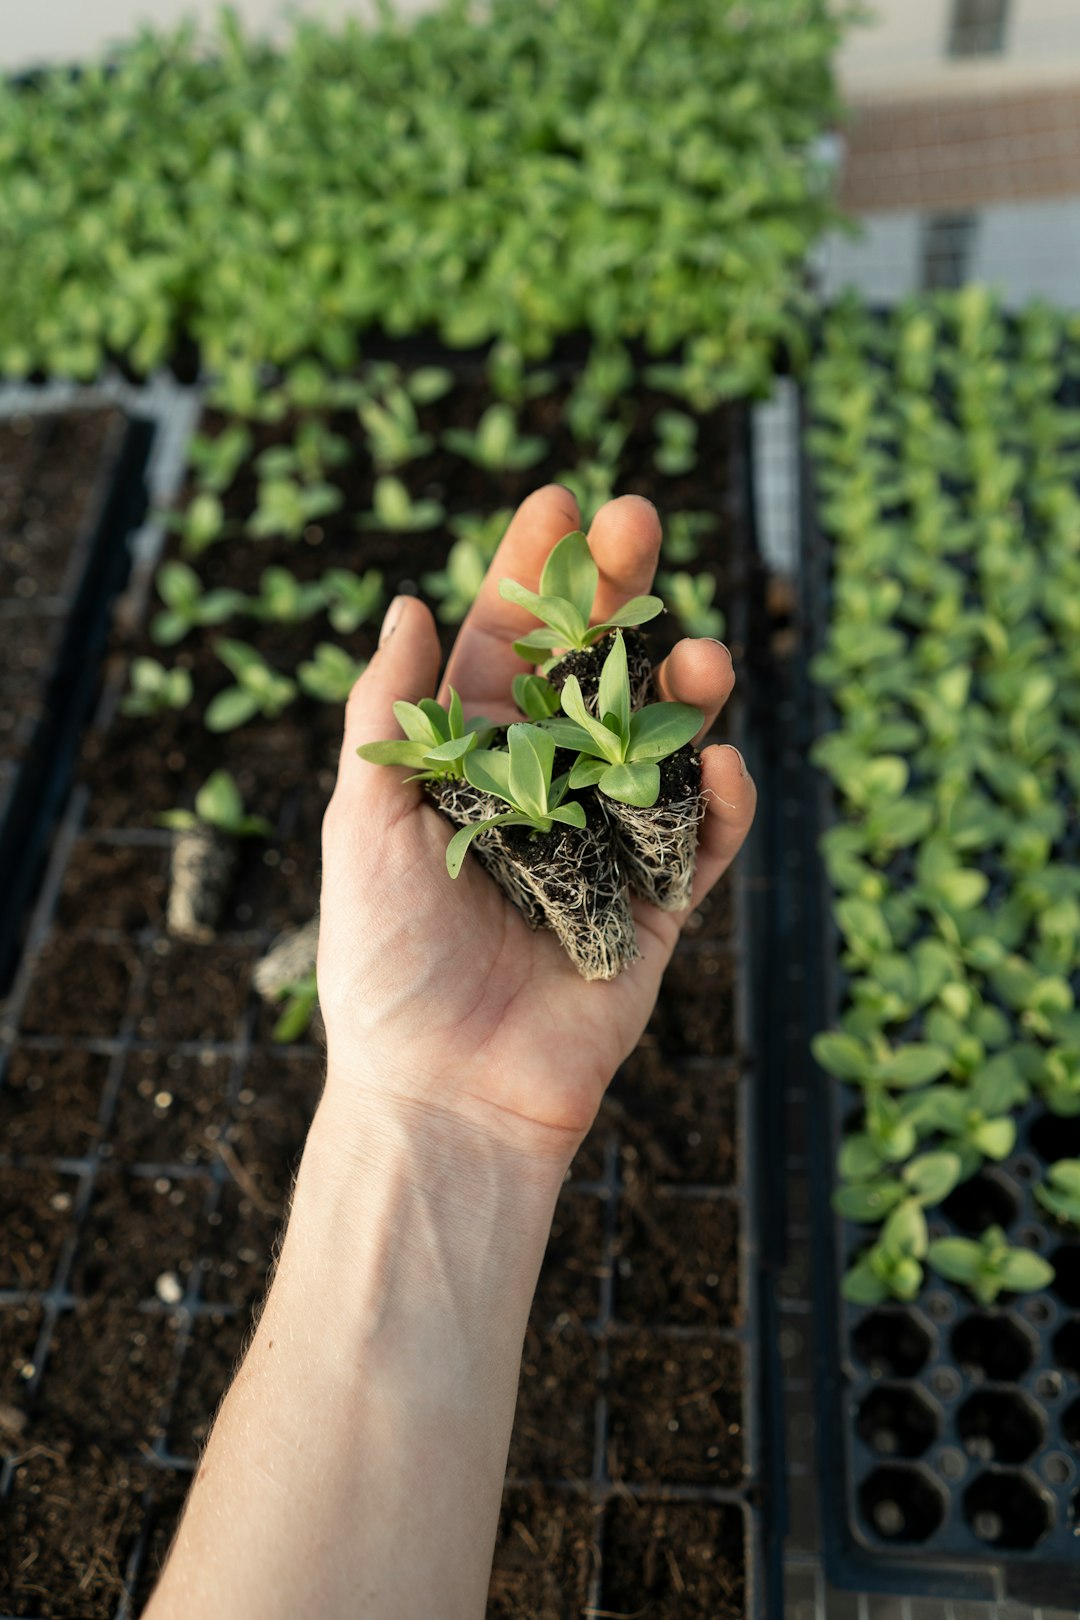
(390, 622)
(742, 763)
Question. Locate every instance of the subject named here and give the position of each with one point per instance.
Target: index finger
(483, 662)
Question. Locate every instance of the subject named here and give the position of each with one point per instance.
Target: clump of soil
(587, 665)
(676, 1411)
(675, 1561)
(50, 1102)
(201, 870)
(574, 875)
(67, 1531)
(545, 1556)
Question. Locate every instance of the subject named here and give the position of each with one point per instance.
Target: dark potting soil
(138, 1229)
(558, 1373)
(114, 886)
(680, 777)
(48, 469)
(675, 1561)
(587, 665)
(545, 1556)
(110, 1377)
(676, 1260)
(20, 1328)
(696, 1015)
(678, 1118)
(36, 1219)
(80, 987)
(193, 992)
(171, 1108)
(570, 1281)
(50, 1102)
(240, 1115)
(210, 1359)
(676, 1411)
(67, 1531)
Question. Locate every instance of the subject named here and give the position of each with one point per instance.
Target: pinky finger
(730, 801)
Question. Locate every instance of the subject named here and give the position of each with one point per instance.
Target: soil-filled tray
(947, 1429)
(71, 491)
(151, 1128)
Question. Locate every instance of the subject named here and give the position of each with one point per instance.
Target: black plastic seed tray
(199, 1312)
(35, 765)
(948, 1433)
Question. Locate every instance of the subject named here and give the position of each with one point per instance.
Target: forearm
(356, 1465)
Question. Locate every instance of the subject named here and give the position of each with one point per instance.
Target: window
(977, 27)
(947, 245)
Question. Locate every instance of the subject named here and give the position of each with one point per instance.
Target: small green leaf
(932, 1176)
(639, 610)
(613, 699)
(571, 573)
(218, 801)
(914, 1065)
(632, 784)
(662, 729)
(488, 769)
(532, 754)
(231, 708)
(587, 773)
(394, 753)
(842, 1055)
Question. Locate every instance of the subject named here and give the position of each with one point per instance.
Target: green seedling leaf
(535, 697)
(532, 754)
(560, 617)
(613, 702)
(571, 573)
(661, 729)
(842, 1055)
(632, 784)
(914, 1065)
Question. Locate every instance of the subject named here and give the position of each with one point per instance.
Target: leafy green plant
(437, 741)
(690, 598)
(989, 1266)
(620, 754)
(218, 804)
(495, 444)
(393, 429)
(286, 507)
(258, 689)
(393, 508)
(676, 449)
(353, 599)
(330, 676)
(892, 1267)
(1060, 1192)
(927, 1179)
(313, 449)
(200, 524)
(521, 777)
(455, 587)
(682, 535)
(154, 688)
(187, 605)
(216, 461)
(535, 696)
(565, 600)
(282, 599)
(301, 998)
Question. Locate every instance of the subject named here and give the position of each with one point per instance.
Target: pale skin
(355, 1468)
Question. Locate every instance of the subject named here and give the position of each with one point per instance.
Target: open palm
(438, 992)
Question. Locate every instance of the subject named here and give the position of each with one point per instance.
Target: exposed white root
(658, 848)
(463, 805)
(290, 958)
(201, 870)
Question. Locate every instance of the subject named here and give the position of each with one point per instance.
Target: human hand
(436, 995)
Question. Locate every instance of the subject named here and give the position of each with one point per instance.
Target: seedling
(282, 599)
(331, 675)
(892, 1267)
(676, 451)
(393, 508)
(1060, 1192)
(218, 805)
(286, 507)
(620, 754)
(201, 524)
(455, 587)
(521, 777)
(535, 696)
(187, 605)
(927, 1179)
(393, 430)
(301, 999)
(216, 461)
(682, 536)
(204, 855)
(496, 445)
(436, 742)
(353, 599)
(690, 597)
(989, 1266)
(155, 688)
(565, 601)
(258, 690)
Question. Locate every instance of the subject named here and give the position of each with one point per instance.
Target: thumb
(406, 666)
